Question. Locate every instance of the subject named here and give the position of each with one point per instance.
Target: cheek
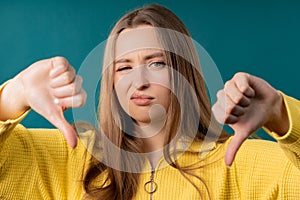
(160, 78)
(165, 97)
(122, 86)
(162, 82)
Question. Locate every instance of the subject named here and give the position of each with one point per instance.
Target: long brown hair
(121, 184)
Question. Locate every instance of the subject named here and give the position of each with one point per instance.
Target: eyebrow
(154, 55)
(147, 57)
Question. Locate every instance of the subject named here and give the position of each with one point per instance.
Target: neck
(154, 147)
(153, 142)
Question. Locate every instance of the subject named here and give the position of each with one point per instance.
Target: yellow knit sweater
(38, 164)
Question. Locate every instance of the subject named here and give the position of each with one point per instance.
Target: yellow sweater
(38, 164)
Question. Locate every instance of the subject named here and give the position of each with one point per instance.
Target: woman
(155, 113)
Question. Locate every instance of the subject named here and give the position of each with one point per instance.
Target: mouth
(141, 99)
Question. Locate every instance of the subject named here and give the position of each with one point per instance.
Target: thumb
(233, 147)
(67, 130)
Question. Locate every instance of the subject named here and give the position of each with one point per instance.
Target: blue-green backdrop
(259, 37)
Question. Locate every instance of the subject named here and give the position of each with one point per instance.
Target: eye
(157, 65)
(124, 68)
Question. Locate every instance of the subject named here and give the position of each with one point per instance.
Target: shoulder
(261, 159)
(32, 143)
(40, 142)
(260, 164)
(45, 147)
(36, 138)
(261, 152)
(265, 147)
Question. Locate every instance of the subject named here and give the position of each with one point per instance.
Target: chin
(142, 122)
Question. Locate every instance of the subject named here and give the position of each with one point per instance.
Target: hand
(247, 103)
(49, 87)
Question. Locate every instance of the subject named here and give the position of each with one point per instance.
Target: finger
(63, 79)
(59, 65)
(230, 119)
(233, 147)
(67, 130)
(242, 82)
(54, 114)
(235, 95)
(69, 90)
(73, 101)
(217, 108)
(221, 115)
(233, 109)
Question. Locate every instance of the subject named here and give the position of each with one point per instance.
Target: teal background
(258, 37)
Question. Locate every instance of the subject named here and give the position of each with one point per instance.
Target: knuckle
(224, 119)
(77, 86)
(239, 75)
(81, 99)
(214, 109)
(228, 120)
(227, 85)
(72, 70)
(72, 87)
(243, 88)
(237, 98)
(84, 97)
(220, 94)
(243, 84)
(84, 94)
(218, 113)
(79, 79)
(80, 102)
(229, 109)
(61, 62)
(219, 118)
(67, 77)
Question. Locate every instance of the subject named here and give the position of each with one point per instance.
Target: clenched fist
(247, 103)
(49, 87)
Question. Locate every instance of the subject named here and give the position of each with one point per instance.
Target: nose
(141, 80)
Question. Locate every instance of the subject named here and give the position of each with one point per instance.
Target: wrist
(12, 100)
(278, 121)
(17, 86)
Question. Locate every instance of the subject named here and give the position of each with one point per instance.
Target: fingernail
(228, 166)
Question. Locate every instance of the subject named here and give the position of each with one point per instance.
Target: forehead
(135, 39)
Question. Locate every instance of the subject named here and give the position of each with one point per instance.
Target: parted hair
(181, 115)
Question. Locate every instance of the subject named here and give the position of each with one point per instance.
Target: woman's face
(141, 77)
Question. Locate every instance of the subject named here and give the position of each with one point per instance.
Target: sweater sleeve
(290, 142)
(38, 163)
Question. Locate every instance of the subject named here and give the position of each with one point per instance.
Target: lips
(141, 99)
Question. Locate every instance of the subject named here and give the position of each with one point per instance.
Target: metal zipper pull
(151, 186)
